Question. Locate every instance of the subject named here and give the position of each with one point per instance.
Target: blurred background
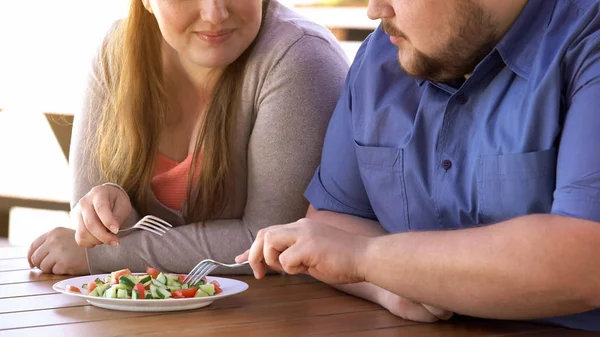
(45, 51)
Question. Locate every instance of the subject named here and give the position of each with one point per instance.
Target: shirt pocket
(381, 170)
(513, 185)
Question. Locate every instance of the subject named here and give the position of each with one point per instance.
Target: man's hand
(408, 309)
(306, 246)
(56, 252)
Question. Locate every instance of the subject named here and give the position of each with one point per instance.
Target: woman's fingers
(39, 255)
(33, 247)
(95, 228)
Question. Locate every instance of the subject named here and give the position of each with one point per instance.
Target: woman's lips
(215, 36)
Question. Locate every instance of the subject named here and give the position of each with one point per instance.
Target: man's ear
(148, 6)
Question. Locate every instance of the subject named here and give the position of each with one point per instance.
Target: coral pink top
(170, 179)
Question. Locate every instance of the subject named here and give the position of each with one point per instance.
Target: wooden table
(276, 306)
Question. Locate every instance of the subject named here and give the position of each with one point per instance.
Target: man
(479, 152)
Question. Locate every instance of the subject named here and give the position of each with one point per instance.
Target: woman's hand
(99, 213)
(56, 252)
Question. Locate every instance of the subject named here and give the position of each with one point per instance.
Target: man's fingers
(276, 241)
(439, 313)
(95, 227)
(292, 260)
(255, 255)
(270, 241)
(242, 257)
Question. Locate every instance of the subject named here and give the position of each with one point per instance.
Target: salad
(123, 284)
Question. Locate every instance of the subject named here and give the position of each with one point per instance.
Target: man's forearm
(529, 267)
(348, 223)
(358, 226)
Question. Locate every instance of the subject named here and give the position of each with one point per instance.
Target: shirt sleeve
(337, 186)
(577, 192)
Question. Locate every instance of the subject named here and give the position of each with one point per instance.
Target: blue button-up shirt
(520, 136)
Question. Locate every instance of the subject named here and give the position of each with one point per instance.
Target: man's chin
(409, 69)
(424, 73)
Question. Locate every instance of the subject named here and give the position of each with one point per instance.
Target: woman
(238, 92)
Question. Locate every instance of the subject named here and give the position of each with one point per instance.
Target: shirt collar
(518, 48)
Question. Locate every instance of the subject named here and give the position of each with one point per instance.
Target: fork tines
(200, 270)
(154, 224)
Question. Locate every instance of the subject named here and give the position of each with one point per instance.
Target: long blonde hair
(134, 113)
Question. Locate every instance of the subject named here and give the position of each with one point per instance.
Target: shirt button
(462, 99)
(446, 164)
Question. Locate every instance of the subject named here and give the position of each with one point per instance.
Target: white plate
(229, 287)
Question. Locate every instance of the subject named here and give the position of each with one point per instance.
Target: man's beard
(473, 38)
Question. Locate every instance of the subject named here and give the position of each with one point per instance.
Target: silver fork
(205, 267)
(151, 224)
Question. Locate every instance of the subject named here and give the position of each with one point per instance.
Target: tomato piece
(73, 289)
(140, 288)
(152, 272)
(117, 274)
(177, 294)
(218, 289)
(181, 277)
(189, 292)
(91, 286)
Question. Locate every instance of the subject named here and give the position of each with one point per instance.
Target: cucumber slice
(163, 293)
(197, 284)
(101, 289)
(98, 281)
(122, 293)
(145, 279)
(148, 296)
(121, 286)
(84, 286)
(200, 293)
(175, 285)
(171, 278)
(158, 284)
(133, 278)
(184, 286)
(208, 288)
(110, 293)
(135, 295)
(125, 280)
(154, 291)
(94, 293)
(161, 278)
